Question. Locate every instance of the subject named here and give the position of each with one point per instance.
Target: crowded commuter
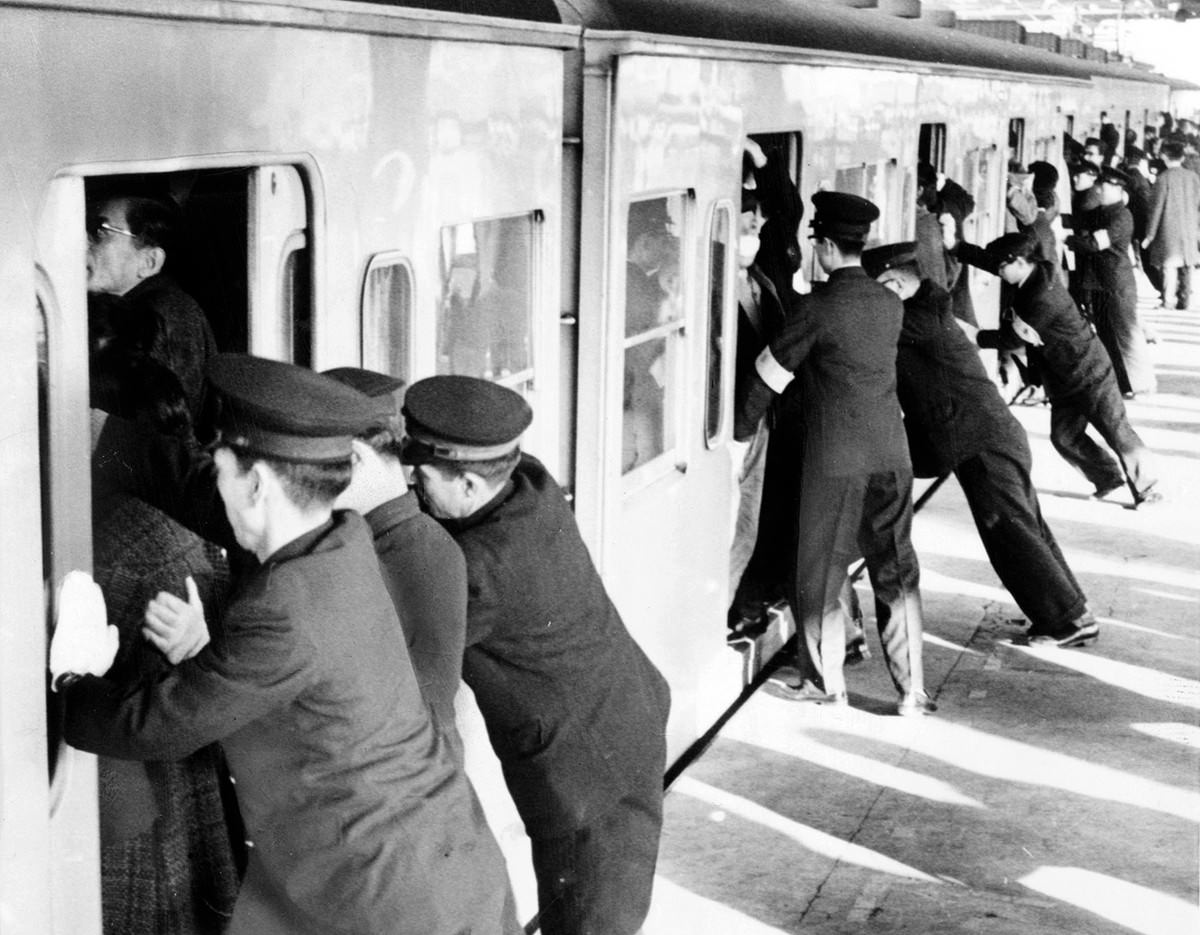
(1075, 368)
(168, 865)
(839, 343)
(359, 821)
(131, 239)
(957, 422)
(575, 711)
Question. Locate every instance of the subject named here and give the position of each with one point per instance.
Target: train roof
(818, 25)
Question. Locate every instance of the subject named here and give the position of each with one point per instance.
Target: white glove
(83, 643)
(175, 626)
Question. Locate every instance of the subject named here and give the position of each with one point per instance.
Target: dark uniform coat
(360, 821)
(1115, 288)
(427, 577)
(1072, 359)
(845, 332)
(956, 421)
(951, 408)
(575, 710)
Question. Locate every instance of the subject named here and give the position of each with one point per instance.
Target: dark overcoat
(427, 577)
(359, 821)
(1071, 358)
(845, 334)
(575, 710)
(182, 340)
(951, 408)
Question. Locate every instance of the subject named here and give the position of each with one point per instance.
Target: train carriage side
(378, 187)
(664, 118)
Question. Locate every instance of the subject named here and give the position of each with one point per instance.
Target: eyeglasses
(97, 228)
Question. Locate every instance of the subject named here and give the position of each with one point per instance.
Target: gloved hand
(83, 642)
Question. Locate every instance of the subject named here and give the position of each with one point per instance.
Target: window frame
(718, 314)
(673, 457)
(387, 259)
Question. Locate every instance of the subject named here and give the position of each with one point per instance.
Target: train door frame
(72, 847)
(262, 329)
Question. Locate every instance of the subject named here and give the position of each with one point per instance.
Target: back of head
(844, 219)
(1171, 151)
(300, 423)
(465, 423)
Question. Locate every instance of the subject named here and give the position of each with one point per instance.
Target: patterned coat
(167, 864)
(360, 821)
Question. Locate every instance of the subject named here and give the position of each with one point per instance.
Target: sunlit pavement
(1055, 791)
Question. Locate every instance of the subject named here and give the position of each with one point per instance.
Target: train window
(1016, 141)
(485, 317)
(931, 145)
(295, 302)
(718, 276)
(1069, 129)
(878, 183)
(653, 325)
(387, 315)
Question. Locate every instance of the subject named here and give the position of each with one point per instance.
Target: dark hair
(1093, 141)
(128, 383)
(849, 247)
(493, 470)
(1172, 149)
(386, 439)
(306, 485)
(155, 221)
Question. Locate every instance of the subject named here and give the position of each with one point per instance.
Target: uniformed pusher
(575, 711)
(856, 483)
(956, 421)
(360, 822)
(423, 568)
(1075, 368)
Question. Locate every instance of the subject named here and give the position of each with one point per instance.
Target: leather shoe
(914, 704)
(1084, 632)
(1101, 492)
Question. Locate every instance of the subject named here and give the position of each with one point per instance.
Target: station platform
(1054, 791)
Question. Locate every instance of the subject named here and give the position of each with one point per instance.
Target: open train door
(49, 873)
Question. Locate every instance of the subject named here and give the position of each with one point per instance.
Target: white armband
(1102, 239)
(772, 372)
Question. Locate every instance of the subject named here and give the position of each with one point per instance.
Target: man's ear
(261, 479)
(151, 261)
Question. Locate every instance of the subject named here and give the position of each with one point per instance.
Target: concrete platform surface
(1055, 791)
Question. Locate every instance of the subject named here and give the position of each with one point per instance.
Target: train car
(418, 189)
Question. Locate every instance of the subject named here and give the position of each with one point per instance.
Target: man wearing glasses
(129, 241)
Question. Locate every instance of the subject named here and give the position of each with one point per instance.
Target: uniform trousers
(1019, 544)
(841, 518)
(1102, 408)
(597, 880)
